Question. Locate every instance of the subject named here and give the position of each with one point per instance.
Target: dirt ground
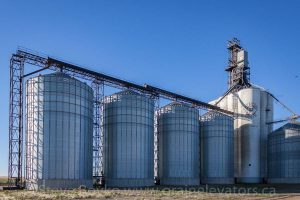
(205, 192)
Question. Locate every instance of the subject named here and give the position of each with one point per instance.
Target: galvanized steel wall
(59, 131)
(266, 115)
(250, 132)
(129, 140)
(284, 154)
(179, 147)
(217, 148)
(248, 136)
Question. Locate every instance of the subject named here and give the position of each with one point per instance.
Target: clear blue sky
(178, 45)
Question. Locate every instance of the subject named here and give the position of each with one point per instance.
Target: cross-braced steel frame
(34, 130)
(156, 139)
(97, 81)
(239, 72)
(98, 138)
(15, 121)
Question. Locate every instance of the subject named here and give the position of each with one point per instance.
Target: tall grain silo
(59, 132)
(129, 140)
(179, 147)
(255, 108)
(284, 154)
(217, 148)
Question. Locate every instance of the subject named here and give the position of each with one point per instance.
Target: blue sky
(179, 45)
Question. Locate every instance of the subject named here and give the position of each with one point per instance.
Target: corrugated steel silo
(284, 154)
(179, 147)
(266, 115)
(248, 136)
(129, 140)
(250, 131)
(59, 132)
(217, 148)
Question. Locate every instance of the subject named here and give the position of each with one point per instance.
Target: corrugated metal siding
(129, 140)
(179, 147)
(65, 136)
(217, 166)
(284, 154)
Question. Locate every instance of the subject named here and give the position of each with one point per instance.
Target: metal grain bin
(249, 137)
(250, 132)
(59, 132)
(217, 149)
(179, 147)
(129, 140)
(284, 154)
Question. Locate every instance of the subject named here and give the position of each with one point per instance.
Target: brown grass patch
(122, 194)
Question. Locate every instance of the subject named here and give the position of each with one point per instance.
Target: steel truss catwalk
(97, 81)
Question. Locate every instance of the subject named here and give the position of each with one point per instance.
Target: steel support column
(15, 157)
(98, 137)
(156, 139)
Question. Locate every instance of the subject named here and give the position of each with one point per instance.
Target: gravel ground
(136, 194)
(250, 192)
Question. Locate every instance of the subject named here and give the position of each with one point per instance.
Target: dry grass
(155, 193)
(123, 194)
(3, 180)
